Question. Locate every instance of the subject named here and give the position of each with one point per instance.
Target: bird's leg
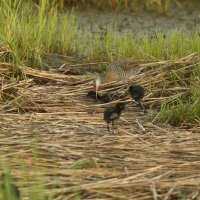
(144, 109)
(108, 128)
(96, 92)
(113, 127)
(96, 96)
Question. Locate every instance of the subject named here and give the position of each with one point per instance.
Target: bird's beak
(96, 90)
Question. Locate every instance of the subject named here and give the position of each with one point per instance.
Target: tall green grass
(32, 29)
(184, 110)
(159, 6)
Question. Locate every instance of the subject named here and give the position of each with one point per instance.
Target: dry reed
(161, 162)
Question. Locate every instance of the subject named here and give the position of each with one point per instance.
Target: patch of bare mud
(185, 18)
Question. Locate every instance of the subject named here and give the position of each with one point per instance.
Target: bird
(137, 93)
(93, 95)
(112, 113)
(117, 71)
(10, 190)
(107, 97)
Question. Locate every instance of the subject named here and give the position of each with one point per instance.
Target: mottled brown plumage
(117, 71)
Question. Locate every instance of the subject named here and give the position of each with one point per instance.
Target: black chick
(105, 98)
(108, 97)
(113, 113)
(92, 95)
(137, 93)
(10, 190)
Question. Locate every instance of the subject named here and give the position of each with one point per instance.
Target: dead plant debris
(62, 137)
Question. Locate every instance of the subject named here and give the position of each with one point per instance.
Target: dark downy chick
(137, 93)
(113, 113)
(9, 189)
(113, 96)
(105, 98)
(93, 95)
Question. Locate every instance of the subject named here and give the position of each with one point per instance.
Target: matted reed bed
(52, 140)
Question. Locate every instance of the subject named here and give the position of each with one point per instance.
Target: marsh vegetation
(38, 38)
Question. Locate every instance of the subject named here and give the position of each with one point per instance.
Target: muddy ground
(184, 17)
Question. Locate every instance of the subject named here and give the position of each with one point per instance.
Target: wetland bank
(54, 144)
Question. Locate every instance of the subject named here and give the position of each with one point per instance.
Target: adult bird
(137, 93)
(117, 71)
(112, 113)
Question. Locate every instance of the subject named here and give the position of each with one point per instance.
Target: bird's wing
(114, 116)
(131, 66)
(113, 72)
(110, 76)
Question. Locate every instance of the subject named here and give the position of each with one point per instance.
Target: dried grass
(160, 163)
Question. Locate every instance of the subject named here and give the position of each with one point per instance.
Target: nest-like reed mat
(59, 142)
